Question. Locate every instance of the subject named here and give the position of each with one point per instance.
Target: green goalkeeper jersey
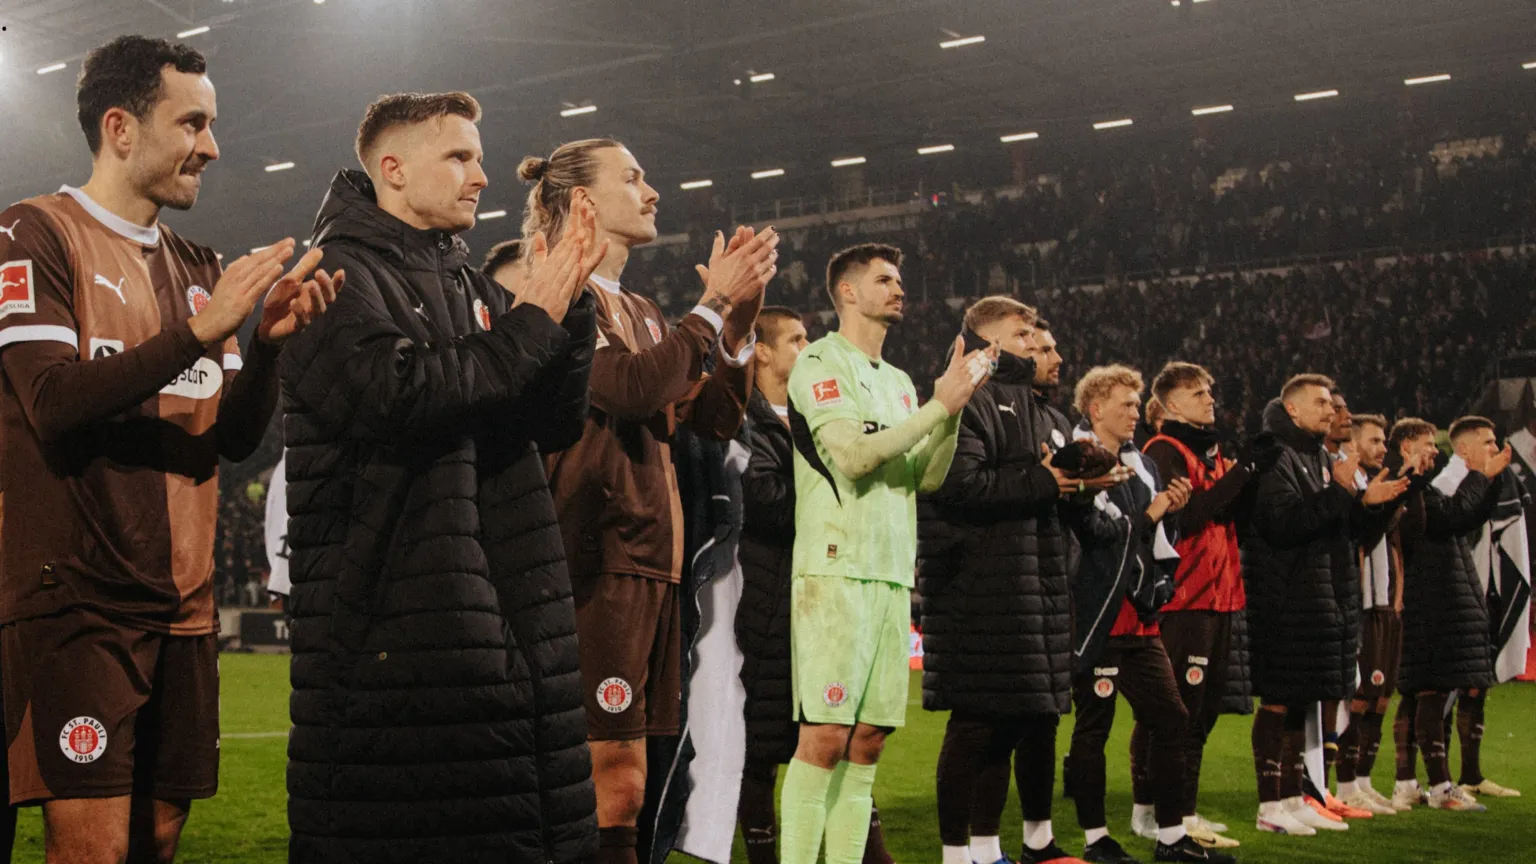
(858, 529)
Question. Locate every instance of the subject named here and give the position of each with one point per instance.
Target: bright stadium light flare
(195, 31)
(575, 112)
(1427, 79)
(761, 77)
(1210, 109)
(54, 68)
(492, 214)
(937, 148)
(851, 160)
(697, 184)
(1113, 124)
(1022, 136)
(280, 166)
(1530, 65)
(1315, 94)
(764, 175)
(962, 42)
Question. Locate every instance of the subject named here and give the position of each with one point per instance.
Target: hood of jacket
(1278, 421)
(351, 212)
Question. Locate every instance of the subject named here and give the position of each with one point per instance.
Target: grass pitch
(247, 824)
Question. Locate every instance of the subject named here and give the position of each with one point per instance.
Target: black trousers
(1199, 646)
(974, 767)
(1138, 667)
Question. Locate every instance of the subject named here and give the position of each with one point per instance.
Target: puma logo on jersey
(114, 288)
(11, 231)
(1008, 408)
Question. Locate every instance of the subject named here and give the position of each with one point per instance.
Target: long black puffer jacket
(992, 563)
(437, 711)
(1446, 643)
(1299, 566)
(762, 619)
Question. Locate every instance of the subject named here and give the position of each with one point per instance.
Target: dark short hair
(1306, 380)
(409, 109)
(1042, 325)
(857, 256)
(126, 73)
(1362, 420)
(1408, 429)
(1178, 374)
(1471, 423)
(503, 253)
(771, 319)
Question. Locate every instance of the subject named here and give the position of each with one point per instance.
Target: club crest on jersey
(654, 329)
(827, 392)
(483, 315)
(83, 740)
(16, 293)
(1378, 678)
(1103, 688)
(198, 298)
(835, 694)
(615, 695)
(906, 402)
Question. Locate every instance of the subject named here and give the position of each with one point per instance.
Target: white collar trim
(118, 225)
(608, 285)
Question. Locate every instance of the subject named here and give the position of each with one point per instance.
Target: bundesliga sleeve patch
(825, 393)
(615, 695)
(83, 740)
(17, 294)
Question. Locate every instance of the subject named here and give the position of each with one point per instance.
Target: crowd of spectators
(1256, 266)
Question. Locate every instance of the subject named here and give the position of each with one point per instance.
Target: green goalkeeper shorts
(850, 641)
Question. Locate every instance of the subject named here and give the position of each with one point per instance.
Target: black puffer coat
(992, 563)
(1299, 566)
(1446, 644)
(762, 619)
(436, 699)
(1238, 697)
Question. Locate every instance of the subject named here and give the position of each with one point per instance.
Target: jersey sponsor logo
(834, 694)
(198, 298)
(615, 695)
(105, 347)
(114, 287)
(83, 740)
(654, 329)
(1378, 678)
(826, 393)
(1194, 676)
(1103, 688)
(482, 314)
(11, 231)
(16, 294)
(199, 381)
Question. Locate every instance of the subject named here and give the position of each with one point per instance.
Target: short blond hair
(1100, 381)
(995, 308)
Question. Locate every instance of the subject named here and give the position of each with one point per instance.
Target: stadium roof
(849, 78)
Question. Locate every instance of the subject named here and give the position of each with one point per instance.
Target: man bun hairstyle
(408, 109)
(553, 179)
(1471, 423)
(1178, 374)
(126, 73)
(1300, 382)
(988, 310)
(1099, 381)
(1407, 429)
(858, 256)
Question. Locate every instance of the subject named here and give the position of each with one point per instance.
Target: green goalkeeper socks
(803, 812)
(848, 816)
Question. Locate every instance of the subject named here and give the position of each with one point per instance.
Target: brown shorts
(1381, 648)
(94, 709)
(631, 645)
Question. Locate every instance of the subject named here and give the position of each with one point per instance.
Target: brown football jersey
(117, 512)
